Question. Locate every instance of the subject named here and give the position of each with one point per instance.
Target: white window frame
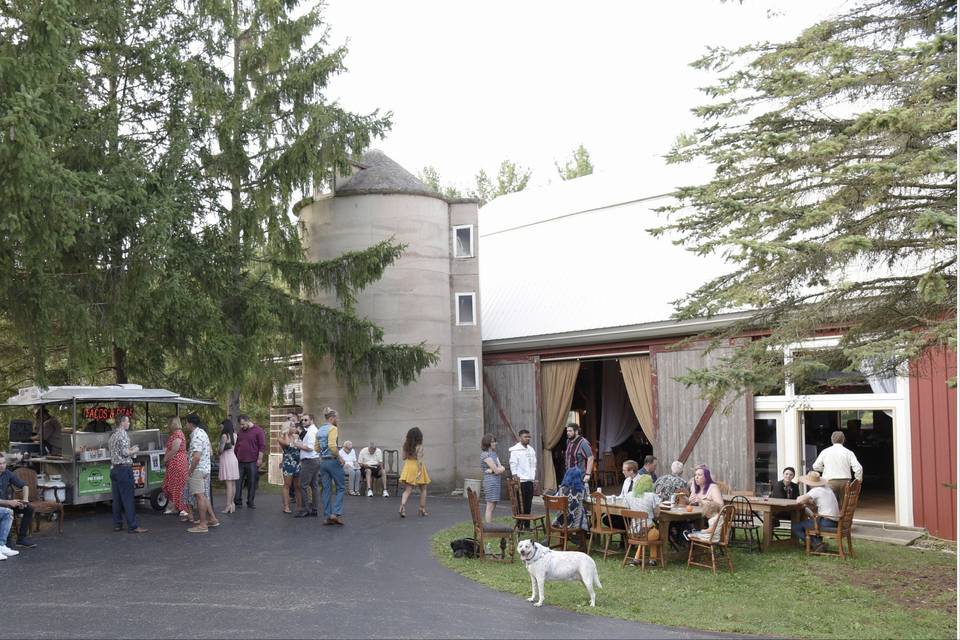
(473, 307)
(476, 374)
(472, 242)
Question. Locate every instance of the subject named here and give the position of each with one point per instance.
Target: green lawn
(886, 592)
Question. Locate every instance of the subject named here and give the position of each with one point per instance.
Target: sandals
(403, 511)
(423, 512)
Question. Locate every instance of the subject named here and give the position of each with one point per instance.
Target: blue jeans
(332, 473)
(800, 528)
(121, 486)
(6, 522)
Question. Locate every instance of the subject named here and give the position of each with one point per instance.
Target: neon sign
(107, 413)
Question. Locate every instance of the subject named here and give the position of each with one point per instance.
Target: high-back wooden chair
(523, 522)
(40, 506)
(637, 535)
(601, 523)
(707, 544)
(482, 531)
(555, 506)
(745, 520)
(391, 469)
(851, 496)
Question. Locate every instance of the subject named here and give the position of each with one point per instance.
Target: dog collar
(537, 554)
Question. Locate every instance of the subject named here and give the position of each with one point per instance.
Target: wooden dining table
(766, 508)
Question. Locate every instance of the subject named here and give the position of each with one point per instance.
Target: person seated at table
(575, 491)
(667, 485)
(703, 488)
(649, 467)
(711, 511)
(645, 499)
(824, 503)
(630, 471)
(786, 488)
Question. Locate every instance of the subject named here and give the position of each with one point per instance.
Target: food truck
(80, 472)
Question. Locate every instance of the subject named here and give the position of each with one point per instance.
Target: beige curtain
(638, 379)
(557, 381)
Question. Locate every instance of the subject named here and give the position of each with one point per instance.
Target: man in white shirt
(309, 470)
(630, 471)
(371, 466)
(523, 467)
(835, 465)
(348, 456)
(824, 502)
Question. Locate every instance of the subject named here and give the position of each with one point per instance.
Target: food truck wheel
(158, 500)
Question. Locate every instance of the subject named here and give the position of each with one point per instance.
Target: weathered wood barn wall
(511, 403)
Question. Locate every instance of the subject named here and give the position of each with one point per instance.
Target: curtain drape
(638, 379)
(617, 418)
(557, 381)
(882, 382)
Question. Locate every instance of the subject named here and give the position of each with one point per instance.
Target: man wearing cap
(824, 503)
(331, 468)
(836, 464)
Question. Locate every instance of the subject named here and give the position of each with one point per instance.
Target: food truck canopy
(34, 396)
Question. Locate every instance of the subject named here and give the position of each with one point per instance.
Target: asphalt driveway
(264, 574)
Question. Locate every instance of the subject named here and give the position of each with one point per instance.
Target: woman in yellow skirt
(414, 472)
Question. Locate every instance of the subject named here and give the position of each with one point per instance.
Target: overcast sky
(472, 82)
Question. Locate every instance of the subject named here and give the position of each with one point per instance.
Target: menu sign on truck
(93, 478)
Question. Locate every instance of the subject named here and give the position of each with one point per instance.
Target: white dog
(546, 564)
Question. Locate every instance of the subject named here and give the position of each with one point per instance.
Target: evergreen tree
(578, 165)
(834, 196)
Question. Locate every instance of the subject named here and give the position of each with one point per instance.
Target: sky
(473, 82)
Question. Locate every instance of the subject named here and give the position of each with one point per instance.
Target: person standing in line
(251, 444)
(229, 466)
(199, 478)
(837, 465)
(175, 461)
(331, 468)
(414, 472)
(578, 453)
(492, 472)
(348, 457)
(121, 476)
(290, 467)
(523, 467)
(309, 469)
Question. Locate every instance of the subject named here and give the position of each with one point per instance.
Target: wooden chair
(601, 523)
(482, 531)
(40, 506)
(637, 535)
(850, 498)
(534, 522)
(744, 519)
(391, 470)
(554, 506)
(707, 545)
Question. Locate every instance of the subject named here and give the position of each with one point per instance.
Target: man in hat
(823, 502)
(331, 468)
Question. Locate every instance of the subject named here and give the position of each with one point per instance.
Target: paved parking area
(264, 574)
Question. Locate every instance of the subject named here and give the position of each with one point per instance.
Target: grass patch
(886, 592)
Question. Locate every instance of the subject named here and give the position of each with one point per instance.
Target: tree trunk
(233, 406)
(120, 364)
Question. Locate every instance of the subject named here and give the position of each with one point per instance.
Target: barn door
(695, 432)
(510, 404)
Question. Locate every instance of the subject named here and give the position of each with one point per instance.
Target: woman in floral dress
(175, 460)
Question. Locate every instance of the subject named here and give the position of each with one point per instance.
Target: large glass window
(765, 449)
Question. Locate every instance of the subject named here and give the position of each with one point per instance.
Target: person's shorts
(374, 472)
(198, 483)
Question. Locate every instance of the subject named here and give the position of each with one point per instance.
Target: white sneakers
(7, 552)
(385, 494)
(369, 493)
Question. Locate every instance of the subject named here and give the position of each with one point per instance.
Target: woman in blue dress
(492, 472)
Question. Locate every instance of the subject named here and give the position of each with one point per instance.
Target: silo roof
(379, 174)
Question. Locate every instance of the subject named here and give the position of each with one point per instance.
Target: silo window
(466, 308)
(468, 374)
(463, 241)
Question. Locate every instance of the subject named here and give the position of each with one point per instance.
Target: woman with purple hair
(704, 488)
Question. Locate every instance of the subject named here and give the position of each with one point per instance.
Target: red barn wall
(933, 418)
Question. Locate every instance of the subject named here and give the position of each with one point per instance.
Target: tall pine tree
(834, 196)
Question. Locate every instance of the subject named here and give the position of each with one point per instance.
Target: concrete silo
(430, 295)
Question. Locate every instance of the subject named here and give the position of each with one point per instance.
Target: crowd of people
(643, 490)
